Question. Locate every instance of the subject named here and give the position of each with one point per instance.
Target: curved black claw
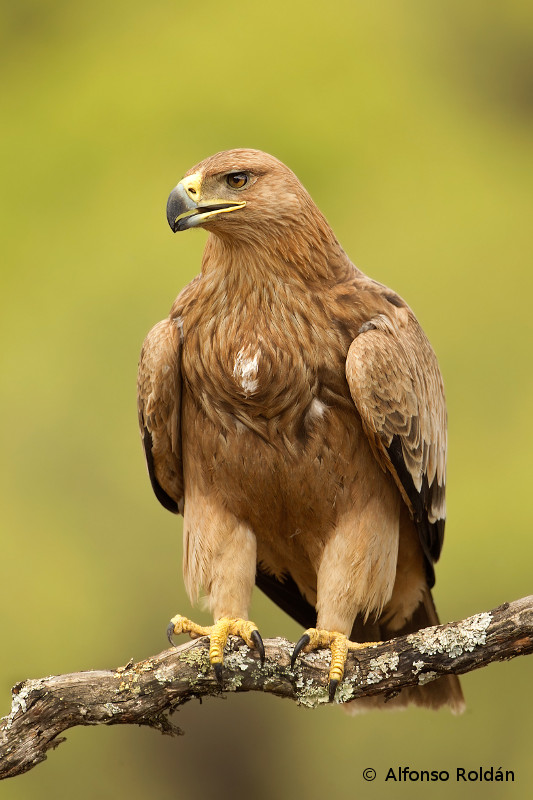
(218, 672)
(302, 642)
(332, 689)
(170, 633)
(259, 646)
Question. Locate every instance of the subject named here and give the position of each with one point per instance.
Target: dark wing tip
(165, 499)
(431, 534)
(286, 594)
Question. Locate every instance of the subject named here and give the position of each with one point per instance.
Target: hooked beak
(184, 211)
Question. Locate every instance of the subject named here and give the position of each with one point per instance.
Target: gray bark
(147, 692)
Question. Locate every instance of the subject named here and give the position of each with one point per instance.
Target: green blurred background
(411, 125)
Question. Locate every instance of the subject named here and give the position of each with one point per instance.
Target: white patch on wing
(245, 370)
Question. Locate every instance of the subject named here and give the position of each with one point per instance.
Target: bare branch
(146, 692)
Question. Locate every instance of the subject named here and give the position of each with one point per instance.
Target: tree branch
(146, 692)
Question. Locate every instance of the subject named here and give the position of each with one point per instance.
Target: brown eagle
(293, 411)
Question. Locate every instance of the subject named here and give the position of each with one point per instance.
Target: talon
(302, 642)
(170, 633)
(337, 643)
(218, 635)
(259, 646)
(332, 689)
(218, 672)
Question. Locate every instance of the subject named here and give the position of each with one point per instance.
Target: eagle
(293, 411)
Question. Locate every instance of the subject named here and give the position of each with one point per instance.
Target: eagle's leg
(337, 643)
(218, 635)
(220, 555)
(357, 571)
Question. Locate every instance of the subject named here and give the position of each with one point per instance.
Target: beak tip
(177, 202)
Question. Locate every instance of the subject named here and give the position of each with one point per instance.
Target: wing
(396, 385)
(159, 405)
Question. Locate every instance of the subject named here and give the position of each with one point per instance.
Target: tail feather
(444, 691)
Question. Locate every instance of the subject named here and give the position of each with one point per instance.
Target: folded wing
(159, 406)
(396, 385)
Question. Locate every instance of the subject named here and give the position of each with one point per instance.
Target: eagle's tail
(444, 691)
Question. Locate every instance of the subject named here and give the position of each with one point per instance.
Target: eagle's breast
(246, 369)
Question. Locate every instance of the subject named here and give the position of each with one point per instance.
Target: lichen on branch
(148, 691)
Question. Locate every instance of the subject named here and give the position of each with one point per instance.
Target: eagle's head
(235, 192)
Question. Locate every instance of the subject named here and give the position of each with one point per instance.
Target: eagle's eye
(237, 180)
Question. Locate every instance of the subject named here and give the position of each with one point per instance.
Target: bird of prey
(293, 411)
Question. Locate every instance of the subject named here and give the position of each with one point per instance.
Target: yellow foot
(218, 635)
(338, 643)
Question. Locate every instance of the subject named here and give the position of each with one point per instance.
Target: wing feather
(396, 385)
(159, 407)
